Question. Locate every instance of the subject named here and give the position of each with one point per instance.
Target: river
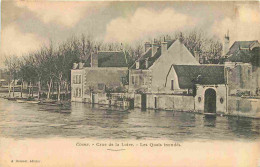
(24, 120)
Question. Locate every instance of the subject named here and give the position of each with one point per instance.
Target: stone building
(243, 62)
(149, 72)
(205, 82)
(103, 71)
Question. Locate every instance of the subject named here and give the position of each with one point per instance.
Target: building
(168, 77)
(103, 71)
(243, 62)
(206, 82)
(149, 72)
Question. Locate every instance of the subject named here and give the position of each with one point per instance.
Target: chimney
(137, 63)
(146, 63)
(197, 56)
(226, 44)
(75, 65)
(81, 65)
(147, 46)
(163, 46)
(94, 58)
(154, 47)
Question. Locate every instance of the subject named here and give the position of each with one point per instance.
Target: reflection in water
(23, 120)
(210, 120)
(242, 127)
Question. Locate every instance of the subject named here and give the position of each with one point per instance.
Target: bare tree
(12, 63)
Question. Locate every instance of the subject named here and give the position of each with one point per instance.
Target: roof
(111, 59)
(188, 75)
(148, 54)
(241, 45)
(240, 56)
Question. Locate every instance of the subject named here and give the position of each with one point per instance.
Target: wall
(172, 76)
(244, 106)
(239, 77)
(142, 80)
(256, 81)
(220, 93)
(96, 80)
(167, 102)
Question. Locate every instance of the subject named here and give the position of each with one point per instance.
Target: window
(133, 80)
(136, 80)
(199, 99)
(172, 84)
(77, 79)
(155, 102)
(221, 100)
(79, 92)
(74, 79)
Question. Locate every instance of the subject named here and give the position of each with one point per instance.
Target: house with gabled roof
(102, 71)
(207, 83)
(149, 72)
(147, 76)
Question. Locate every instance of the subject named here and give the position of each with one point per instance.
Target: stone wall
(240, 78)
(244, 106)
(166, 102)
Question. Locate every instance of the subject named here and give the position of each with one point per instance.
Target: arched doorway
(210, 101)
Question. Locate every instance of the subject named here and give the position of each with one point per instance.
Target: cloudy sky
(26, 25)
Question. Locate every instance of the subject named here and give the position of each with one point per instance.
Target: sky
(27, 25)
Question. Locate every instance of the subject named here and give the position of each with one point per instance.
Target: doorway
(143, 101)
(210, 101)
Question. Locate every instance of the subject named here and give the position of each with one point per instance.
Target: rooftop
(188, 75)
(147, 55)
(237, 45)
(111, 59)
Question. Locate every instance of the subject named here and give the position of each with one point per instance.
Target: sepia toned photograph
(127, 83)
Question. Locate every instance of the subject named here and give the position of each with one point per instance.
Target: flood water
(24, 120)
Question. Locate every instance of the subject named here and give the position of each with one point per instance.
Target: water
(23, 120)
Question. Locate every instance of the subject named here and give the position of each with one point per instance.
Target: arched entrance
(210, 101)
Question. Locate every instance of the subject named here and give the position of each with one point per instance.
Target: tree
(12, 63)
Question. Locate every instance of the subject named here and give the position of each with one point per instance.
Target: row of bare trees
(49, 67)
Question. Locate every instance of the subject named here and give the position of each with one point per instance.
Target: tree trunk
(59, 84)
(49, 88)
(39, 89)
(22, 88)
(67, 90)
(30, 89)
(13, 87)
(9, 89)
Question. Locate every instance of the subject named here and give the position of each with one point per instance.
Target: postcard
(129, 83)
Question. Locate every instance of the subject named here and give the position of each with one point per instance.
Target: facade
(102, 72)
